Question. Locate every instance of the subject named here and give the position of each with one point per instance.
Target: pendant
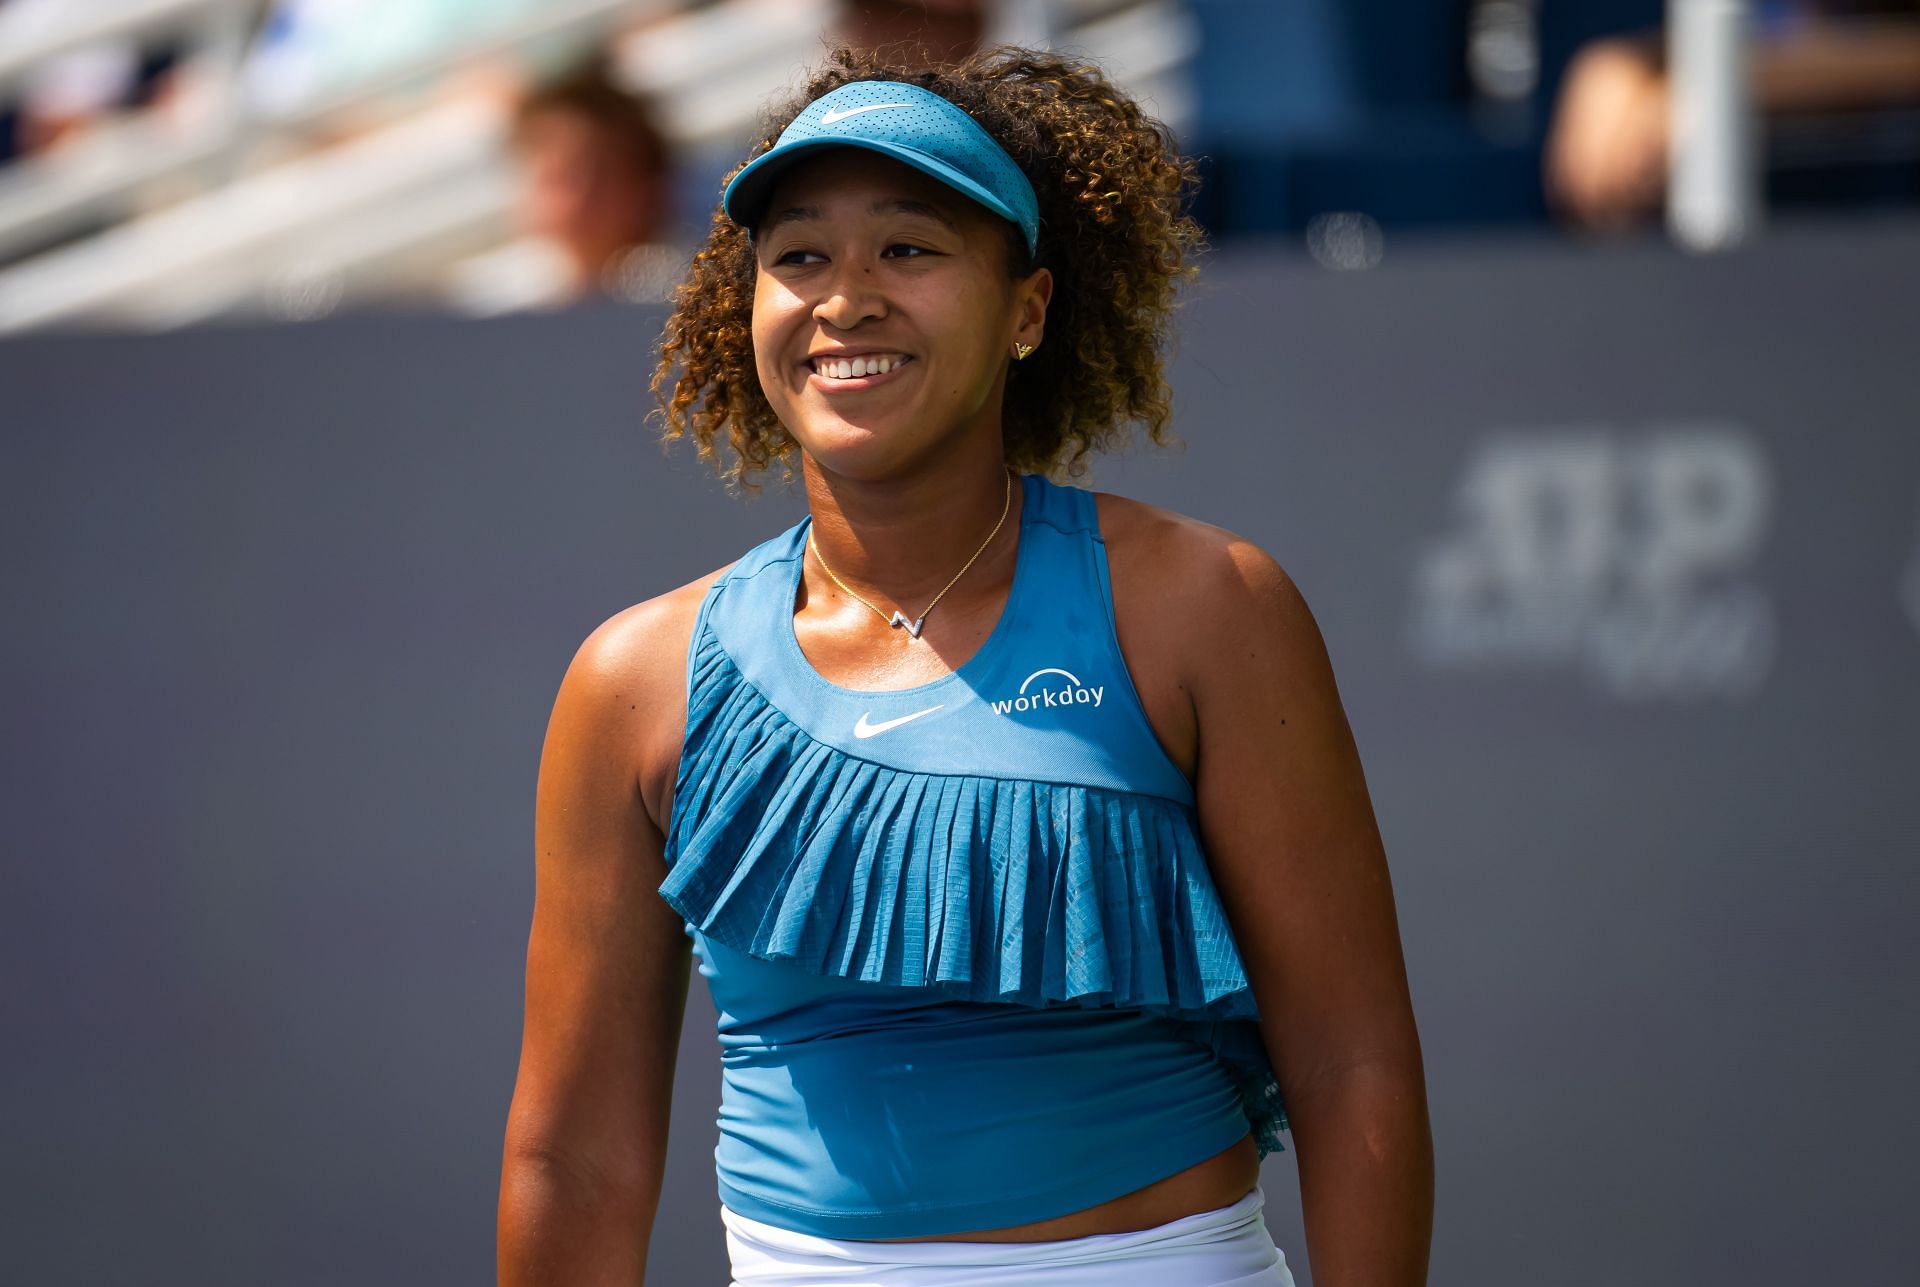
(913, 627)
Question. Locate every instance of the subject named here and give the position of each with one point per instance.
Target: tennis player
(1016, 828)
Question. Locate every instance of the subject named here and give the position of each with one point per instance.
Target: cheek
(974, 312)
(774, 317)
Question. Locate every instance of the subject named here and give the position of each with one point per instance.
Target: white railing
(99, 174)
(26, 41)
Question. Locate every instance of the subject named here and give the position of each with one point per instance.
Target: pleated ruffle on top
(985, 889)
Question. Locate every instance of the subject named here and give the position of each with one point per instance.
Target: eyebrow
(902, 205)
(885, 205)
(795, 214)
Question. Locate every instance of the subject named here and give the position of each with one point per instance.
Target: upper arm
(608, 962)
(1288, 825)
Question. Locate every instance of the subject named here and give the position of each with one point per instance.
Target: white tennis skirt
(1226, 1247)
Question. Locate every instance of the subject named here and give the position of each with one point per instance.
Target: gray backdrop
(1617, 555)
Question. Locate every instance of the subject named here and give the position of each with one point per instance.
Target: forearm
(1364, 1148)
(1840, 65)
(557, 1229)
(1831, 65)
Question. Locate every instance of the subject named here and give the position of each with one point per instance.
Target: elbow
(549, 1166)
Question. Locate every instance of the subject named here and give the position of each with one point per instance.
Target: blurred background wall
(324, 337)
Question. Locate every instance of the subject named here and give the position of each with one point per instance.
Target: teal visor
(912, 125)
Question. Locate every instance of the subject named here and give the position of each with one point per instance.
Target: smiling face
(884, 312)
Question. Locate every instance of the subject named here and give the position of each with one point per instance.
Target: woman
(1017, 827)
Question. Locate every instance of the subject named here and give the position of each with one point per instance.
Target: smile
(861, 371)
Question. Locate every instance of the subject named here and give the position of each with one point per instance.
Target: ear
(1031, 295)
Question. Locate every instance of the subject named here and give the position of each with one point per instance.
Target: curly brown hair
(1112, 189)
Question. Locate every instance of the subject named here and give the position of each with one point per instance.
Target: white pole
(1713, 182)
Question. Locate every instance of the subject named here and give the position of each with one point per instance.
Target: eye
(789, 257)
(913, 250)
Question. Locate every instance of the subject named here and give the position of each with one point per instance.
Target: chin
(868, 453)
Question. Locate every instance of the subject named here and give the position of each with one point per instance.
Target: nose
(850, 295)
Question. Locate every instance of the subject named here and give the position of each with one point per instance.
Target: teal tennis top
(970, 968)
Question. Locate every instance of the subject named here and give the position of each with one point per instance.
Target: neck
(905, 537)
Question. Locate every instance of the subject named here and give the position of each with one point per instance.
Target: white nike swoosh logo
(863, 729)
(830, 117)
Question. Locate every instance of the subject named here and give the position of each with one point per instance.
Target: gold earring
(1020, 351)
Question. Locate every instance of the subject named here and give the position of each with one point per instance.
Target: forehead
(840, 182)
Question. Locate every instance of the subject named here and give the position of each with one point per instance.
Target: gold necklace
(913, 626)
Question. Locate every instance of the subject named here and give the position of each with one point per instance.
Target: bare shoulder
(1184, 540)
(1196, 608)
(1209, 582)
(628, 680)
(650, 636)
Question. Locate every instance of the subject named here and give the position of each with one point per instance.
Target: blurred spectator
(1605, 163)
(64, 98)
(595, 176)
(930, 31)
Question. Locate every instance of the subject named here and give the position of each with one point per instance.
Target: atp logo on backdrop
(1623, 557)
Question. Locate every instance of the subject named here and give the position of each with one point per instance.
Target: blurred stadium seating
(292, 180)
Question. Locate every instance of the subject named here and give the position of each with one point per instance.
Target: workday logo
(1626, 558)
(1049, 692)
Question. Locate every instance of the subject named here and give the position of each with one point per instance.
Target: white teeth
(854, 368)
